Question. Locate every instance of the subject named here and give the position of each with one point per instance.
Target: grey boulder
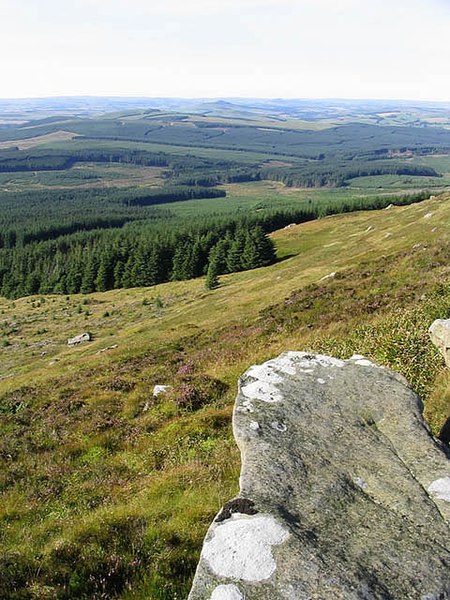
(440, 336)
(344, 493)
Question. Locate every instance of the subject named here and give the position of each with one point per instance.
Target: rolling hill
(107, 490)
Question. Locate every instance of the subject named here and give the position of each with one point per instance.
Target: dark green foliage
(167, 195)
(336, 173)
(145, 252)
(212, 276)
(259, 250)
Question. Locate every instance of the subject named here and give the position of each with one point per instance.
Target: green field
(82, 175)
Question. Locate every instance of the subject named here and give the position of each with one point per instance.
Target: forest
(65, 238)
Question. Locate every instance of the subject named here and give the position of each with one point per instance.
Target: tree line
(88, 262)
(142, 254)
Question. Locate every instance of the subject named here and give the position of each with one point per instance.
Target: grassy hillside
(107, 492)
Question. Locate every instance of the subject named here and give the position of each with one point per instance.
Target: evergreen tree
(212, 276)
(105, 274)
(89, 275)
(234, 256)
(74, 277)
(265, 253)
(118, 274)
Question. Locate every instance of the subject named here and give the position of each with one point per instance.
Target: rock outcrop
(344, 493)
(79, 339)
(440, 336)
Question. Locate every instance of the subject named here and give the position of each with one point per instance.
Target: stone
(344, 493)
(160, 389)
(227, 592)
(329, 276)
(79, 339)
(157, 391)
(440, 336)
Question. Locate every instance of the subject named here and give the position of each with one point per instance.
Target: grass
(241, 156)
(103, 499)
(83, 175)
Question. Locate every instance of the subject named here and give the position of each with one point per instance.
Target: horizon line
(219, 97)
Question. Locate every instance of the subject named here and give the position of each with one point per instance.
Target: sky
(389, 49)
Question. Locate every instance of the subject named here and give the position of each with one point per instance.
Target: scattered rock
(389, 206)
(440, 336)
(79, 339)
(329, 276)
(428, 216)
(113, 347)
(290, 225)
(160, 389)
(157, 391)
(352, 492)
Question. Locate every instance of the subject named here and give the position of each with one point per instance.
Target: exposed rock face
(344, 494)
(440, 336)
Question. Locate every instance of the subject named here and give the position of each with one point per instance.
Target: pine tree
(265, 253)
(234, 257)
(212, 276)
(118, 274)
(218, 255)
(105, 274)
(89, 275)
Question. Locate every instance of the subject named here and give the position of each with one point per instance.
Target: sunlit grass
(107, 491)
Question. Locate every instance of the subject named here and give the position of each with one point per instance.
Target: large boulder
(344, 493)
(440, 336)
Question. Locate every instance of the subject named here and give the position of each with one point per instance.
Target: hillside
(108, 492)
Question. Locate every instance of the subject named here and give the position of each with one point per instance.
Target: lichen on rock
(344, 492)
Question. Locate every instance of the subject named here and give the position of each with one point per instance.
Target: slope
(107, 491)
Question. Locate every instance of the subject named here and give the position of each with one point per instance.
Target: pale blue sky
(210, 48)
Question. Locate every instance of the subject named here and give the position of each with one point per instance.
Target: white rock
(254, 425)
(329, 276)
(364, 362)
(440, 336)
(440, 489)
(160, 389)
(79, 339)
(227, 592)
(241, 547)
